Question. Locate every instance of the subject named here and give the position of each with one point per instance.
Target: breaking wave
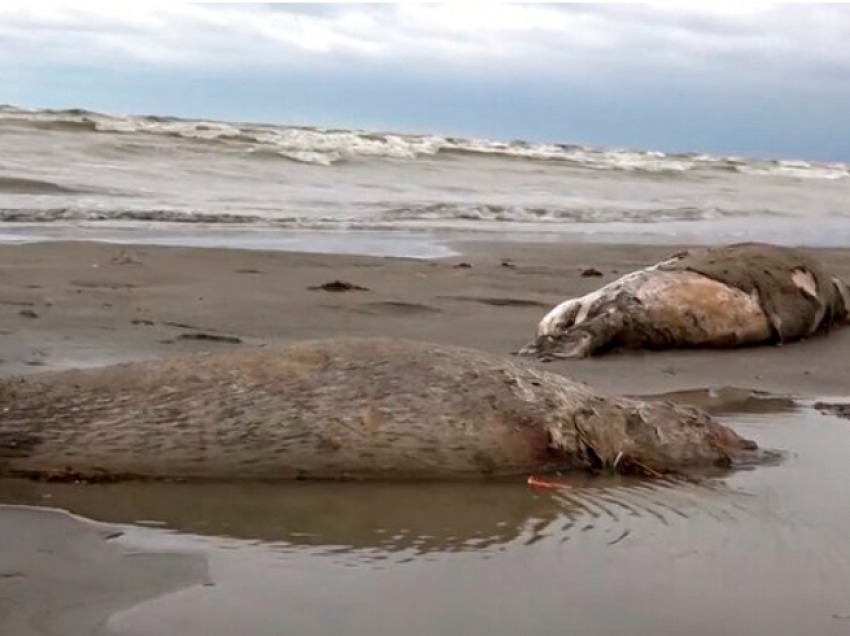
(525, 214)
(434, 215)
(328, 147)
(17, 185)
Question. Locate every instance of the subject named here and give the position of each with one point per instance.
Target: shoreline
(410, 241)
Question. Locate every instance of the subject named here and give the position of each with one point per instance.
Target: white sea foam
(436, 215)
(797, 170)
(327, 147)
(562, 215)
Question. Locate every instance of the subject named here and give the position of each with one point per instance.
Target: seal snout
(739, 451)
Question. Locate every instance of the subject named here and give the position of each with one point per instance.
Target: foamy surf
(326, 147)
(437, 215)
(80, 171)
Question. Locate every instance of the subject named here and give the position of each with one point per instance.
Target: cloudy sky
(739, 78)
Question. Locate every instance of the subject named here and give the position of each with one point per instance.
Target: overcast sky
(740, 78)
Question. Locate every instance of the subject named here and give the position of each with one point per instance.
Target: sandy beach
(70, 304)
(240, 178)
(75, 303)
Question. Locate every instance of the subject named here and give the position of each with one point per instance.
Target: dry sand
(71, 304)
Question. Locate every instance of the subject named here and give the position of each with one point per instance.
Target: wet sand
(62, 575)
(67, 304)
(755, 552)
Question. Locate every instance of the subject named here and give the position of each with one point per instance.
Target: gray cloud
(548, 39)
(700, 75)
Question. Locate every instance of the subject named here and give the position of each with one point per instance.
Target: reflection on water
(753, 552)
(415, 518)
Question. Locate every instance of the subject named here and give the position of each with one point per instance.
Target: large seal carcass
(341, 408)
(728, 296)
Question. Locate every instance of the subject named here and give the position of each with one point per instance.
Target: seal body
(334, 409)
(730, 296)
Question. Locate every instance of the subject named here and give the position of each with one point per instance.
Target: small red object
(540, 483)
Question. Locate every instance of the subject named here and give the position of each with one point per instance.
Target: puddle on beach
(753, 552)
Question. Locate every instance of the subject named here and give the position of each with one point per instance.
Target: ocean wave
(19, 185)
(434, 215)
(560, 215)
(58, 215)
(328, 147)
(310, 157)
(797, 170)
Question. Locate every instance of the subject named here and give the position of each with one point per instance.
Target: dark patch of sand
(839, 410)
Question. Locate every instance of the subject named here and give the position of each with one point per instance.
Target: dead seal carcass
(368, 408)
(729, 296)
